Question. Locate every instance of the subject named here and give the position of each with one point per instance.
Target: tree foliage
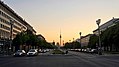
(109, 39)
(93, 41)
(72, 45)
(27, 38)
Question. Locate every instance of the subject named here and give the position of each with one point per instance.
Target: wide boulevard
(73, 59)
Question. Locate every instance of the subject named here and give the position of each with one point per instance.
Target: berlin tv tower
(60, 37)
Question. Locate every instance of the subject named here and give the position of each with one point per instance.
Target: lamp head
(80, 33)
(98, 21)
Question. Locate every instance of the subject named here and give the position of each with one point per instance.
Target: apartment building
(85, 40)
(106, 25)
(10, 25)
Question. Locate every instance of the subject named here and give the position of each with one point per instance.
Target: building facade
(106, 25)
(85, 40)
(40, 37)
(10, 25)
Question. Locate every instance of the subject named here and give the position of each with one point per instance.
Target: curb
(2, 56)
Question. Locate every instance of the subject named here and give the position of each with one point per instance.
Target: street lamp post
(99, 47)
(11, 34)
(80, 37)
(73, 44)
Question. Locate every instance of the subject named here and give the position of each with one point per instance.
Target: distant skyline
(48, 17)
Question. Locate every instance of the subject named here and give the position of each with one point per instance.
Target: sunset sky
(48, 17)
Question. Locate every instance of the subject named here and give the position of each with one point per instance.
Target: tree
(25, 38)
(110, 38)
(17, 41)
(76, 45)
(72, 45)
(106, 38)
(116, 37)
(93, 41)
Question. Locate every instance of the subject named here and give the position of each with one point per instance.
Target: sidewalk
(109, 54)
(89, 54)
(5, 55)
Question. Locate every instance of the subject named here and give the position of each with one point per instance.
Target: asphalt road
(73, 59)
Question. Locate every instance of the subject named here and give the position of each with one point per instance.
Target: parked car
(43, 51)
(19, 53)
(32, 52)
(94, 51)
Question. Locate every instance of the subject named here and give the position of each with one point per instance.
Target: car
(93, 51)
(32, 52)
(19, 53)
(43, 51)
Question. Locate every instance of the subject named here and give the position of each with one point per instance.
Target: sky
(49, 17)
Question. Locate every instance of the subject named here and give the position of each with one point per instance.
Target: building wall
(106, 25)
(40, 37)
(5, 22)
(85, 40)
(9, 18)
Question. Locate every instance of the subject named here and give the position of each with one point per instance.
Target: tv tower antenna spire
(60, 37)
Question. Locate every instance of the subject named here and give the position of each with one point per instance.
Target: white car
(32, 52)
(93, 51)
(19, 53)
(43, 51)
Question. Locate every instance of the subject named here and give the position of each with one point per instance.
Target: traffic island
(57, 52)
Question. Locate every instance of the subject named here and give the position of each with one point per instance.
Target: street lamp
(11, 33)
(80, 37)
(73, 39)
(73, 44)
(99, 47)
